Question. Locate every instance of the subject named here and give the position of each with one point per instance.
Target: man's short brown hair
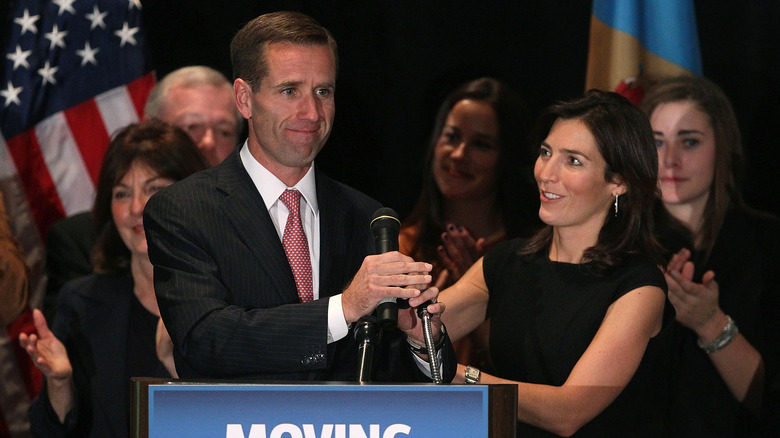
(248, 48)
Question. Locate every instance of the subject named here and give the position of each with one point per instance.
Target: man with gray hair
(199, 100)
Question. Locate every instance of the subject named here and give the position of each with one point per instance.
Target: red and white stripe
(50, 172)
(47, 173)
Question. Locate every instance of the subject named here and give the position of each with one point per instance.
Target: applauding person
(108, 328)
(723, 279)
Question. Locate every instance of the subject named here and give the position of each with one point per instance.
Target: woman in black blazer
(107, 326)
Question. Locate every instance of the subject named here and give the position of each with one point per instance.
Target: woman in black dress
(723, 279)
(576, 309)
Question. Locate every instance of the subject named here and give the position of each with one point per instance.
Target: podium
(176, 408)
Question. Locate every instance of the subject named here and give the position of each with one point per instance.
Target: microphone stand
(433, 357)
(367, 334)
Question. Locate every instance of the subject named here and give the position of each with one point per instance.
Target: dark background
(398, 59)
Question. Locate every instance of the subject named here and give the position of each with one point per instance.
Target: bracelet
(726, 335)
(472, 375)
(423, 349)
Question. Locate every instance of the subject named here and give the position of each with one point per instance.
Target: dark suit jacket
(69, 244)
(227, 294)
(92, 322)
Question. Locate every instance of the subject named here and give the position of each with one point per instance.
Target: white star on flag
(126, 34)
(47, 73)
(88, 54)
(65, 5)
(27, 22)
(11, 94)
(96, 18)
(56, 37)
(20, 57)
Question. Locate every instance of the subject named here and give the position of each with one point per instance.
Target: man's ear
(243, 94)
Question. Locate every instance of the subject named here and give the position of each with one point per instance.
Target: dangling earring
(616, 205)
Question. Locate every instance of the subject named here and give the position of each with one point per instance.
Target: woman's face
(570, 174)
(466, 154)
(128, 199)
(686, 153)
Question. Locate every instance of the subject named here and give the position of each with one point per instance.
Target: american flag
(73, 72)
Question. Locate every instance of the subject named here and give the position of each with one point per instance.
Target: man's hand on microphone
(388, 275)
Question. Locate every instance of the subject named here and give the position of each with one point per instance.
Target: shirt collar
(271, 187)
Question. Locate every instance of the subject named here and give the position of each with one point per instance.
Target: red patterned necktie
(296, 247)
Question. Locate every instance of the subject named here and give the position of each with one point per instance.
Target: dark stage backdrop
(399, 59)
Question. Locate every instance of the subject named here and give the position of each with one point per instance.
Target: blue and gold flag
(633, 43)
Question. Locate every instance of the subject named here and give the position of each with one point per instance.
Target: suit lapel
(334, 220)
(243, 206)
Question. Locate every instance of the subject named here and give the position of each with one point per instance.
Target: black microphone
(385, 226)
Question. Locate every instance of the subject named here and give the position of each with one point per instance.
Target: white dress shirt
(271, 188)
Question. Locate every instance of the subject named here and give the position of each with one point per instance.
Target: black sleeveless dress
(544, 315)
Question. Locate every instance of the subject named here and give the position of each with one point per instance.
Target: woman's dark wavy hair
(516, 190)
(625, 139)
(166, 150)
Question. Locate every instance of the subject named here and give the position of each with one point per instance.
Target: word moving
(288, 430)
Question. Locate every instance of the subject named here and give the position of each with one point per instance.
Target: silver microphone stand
(433, 357)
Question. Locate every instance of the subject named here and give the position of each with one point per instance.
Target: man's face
(208, 115)
(291, 111)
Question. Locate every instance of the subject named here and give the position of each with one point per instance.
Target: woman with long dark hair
(576, 310)
(478, 189)
(723, 279)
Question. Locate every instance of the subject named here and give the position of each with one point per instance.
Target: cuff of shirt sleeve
(425, 367)
(337, 324)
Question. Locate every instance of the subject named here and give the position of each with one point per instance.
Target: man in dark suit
(227, 291)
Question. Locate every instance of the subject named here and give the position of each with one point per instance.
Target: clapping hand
(695, 303)
(458, 251)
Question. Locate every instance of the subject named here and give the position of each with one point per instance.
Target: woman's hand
(51, 357)
(696, 304)
(459, 251)
(410, 322)
(45, 350)
(739, 364)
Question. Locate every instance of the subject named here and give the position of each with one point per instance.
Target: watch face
(472, 375)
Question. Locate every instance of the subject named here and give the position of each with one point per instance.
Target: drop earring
(616, 205)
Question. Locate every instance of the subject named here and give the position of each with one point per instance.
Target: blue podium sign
(317, 411)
